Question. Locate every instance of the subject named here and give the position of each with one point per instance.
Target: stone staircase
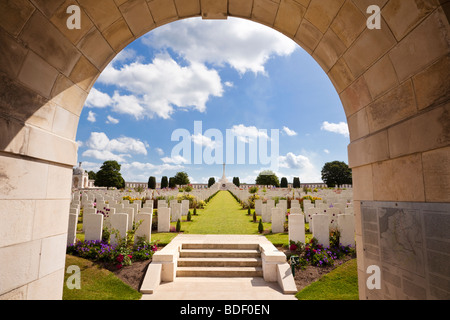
(219, 260)
(231, 257)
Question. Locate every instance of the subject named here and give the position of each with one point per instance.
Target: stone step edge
(219, 271)
(209, 245)
(220, 262)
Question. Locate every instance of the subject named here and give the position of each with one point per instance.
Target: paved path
(208, 288)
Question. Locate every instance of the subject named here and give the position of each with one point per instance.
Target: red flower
(119, 266)
(119, 258)
(292, 247)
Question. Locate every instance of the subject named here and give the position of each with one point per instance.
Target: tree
(92, 175)
(172, 183)
(109, 175)
(283, 182)
(211, 181)
(267, 178)
(296, 182)
(164, 182)
(152, 183)
(181, 178)
(336, 173)
(236, 181)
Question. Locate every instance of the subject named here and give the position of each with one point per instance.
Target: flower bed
(315, 254)
(120, 255)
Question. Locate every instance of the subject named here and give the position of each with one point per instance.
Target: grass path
(222, 215)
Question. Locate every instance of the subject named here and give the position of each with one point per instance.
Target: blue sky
(233, 75)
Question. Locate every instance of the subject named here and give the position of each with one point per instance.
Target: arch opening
(396, 103)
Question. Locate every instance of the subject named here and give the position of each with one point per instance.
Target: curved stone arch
(393, 84)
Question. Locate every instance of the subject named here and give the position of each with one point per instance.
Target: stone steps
(219, 260)
(219, 272)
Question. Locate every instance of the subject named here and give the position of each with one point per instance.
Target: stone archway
(393, 82)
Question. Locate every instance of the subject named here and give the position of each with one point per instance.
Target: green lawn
(339, 284)
(97, 283)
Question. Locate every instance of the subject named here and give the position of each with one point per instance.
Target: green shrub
(178, 227)
(260, 226)
(189, 216)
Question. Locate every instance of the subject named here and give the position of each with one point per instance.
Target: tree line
(336, 173)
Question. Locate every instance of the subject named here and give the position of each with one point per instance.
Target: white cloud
(175, 160)
(158, 87)
(125, 55)
(102, 148)
(98, 99)
(292, 161)
(140, 171)
(159, 151)
(229, 84)
(91, 117)
(244, 45)
(105, 155)
(289, 132)
(202, 140)
(326, 151)
(340, 128)
(112, 120)
(127, 104)
(247, 134)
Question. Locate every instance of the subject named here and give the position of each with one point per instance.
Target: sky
(193, 94)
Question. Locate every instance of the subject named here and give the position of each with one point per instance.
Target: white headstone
(93, 226)
(278, 218)
(72, 230)
(184, 207)
(162, 204)
(119, 223)
(296, 227)
(321, 229)
(176, 211)
(265, 213)
(295, 203)
(164, 219)
(145, 228)
(346, 226)
(258, 206)
(130, 212)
